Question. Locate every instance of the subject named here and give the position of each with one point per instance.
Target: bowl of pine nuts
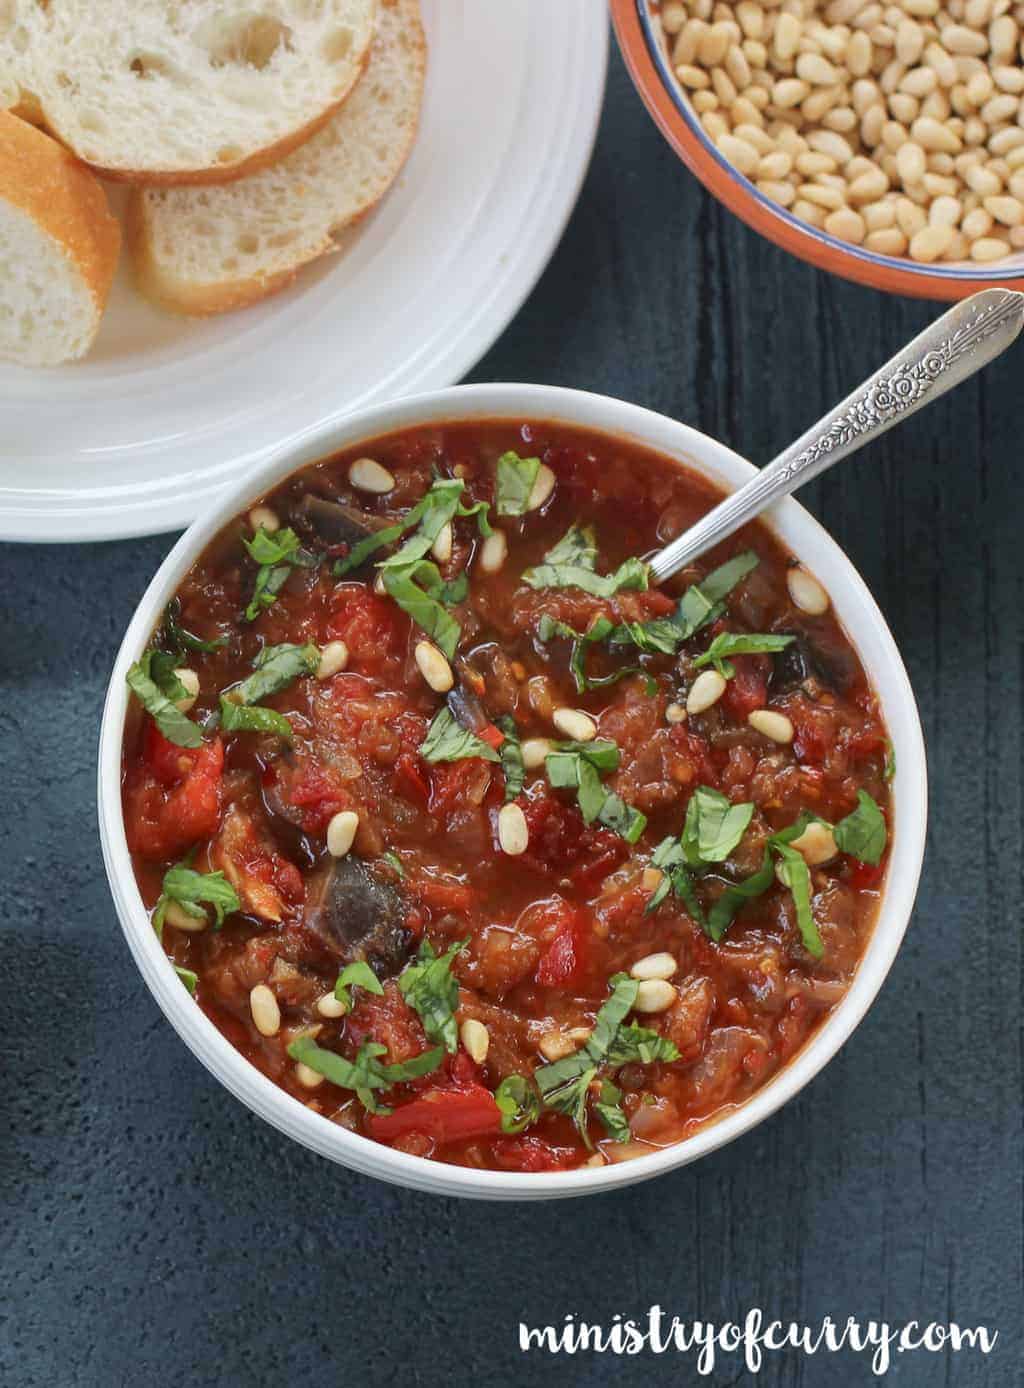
(881, 141)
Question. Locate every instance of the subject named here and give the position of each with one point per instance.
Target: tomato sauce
(539, 937)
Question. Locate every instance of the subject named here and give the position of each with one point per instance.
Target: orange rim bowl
(646, 57)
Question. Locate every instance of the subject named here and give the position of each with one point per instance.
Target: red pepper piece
(446, 1115)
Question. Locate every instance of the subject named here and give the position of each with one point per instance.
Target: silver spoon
(956, 345)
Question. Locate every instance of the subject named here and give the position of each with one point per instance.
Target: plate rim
(135, 519)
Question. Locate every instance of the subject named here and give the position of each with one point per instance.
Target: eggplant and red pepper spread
(477, 843)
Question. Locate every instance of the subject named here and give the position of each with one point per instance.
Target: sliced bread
(58, 249)
(206, 250)
(182, 91)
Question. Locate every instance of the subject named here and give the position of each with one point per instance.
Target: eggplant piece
(803, 660)
(357, 915)
(467, 710)
(333, 523)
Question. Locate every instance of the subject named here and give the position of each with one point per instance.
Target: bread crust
(64, 198)
(209, 299)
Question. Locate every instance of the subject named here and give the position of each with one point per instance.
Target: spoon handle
(956, 345)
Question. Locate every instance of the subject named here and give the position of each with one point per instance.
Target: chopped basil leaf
(511, 754)
(276, 668)
(736, 894)
(190, 979)
(608, 1109)
(797, 877)
(365, 1073)
(252, 718)
(713, 828)
(431, 990)
(393, 861)
(370, 544)
(890, 762)
(863, 834)
(700, 604)
(181, 640)
(634, 1044)
(737, 643)
(277, 553)
(173, 724)
(188, 888)
(575, 766)
(514, 483)
(599, 629)
(357, 975)
(425, 604)
(519, 1103)
(481, 510)
(631, 574)
(564, 1084)
(448, 740)
(578, 546)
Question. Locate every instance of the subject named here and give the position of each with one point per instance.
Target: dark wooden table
(154, 1232)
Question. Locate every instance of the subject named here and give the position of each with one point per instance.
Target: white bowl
(795, 528)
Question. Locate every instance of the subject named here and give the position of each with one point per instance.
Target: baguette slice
(207, 250)
(58, 249)
(185, 91)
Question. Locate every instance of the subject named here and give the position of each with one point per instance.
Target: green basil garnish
(431, 990)
(277, 553)
(190, 979)
(420, 591)
(519, 1103)
(357, 975)
(701, 604)
(714, 827)
(188, 889)
(729, 643)
(514, 483)
(576, 766)
(154, 684)
(365, 1074)
(253, 718)
(511, 755)
(448, 740)
(862, 833)
(571, 564)
(180, 640)
(276, 667)
(608, 1110)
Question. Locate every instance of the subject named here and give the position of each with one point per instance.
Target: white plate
(166, 411)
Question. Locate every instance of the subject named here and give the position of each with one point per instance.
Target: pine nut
(930, 243)
(176, 915)
(494, 552)
(341, 833)
(694, 78)
(886, 241)
(367, 475)
(654, 995)
(476, 1039)
(433, 666)
(815, 844)
(1006, 210)
(190, 682)
(266, 1014)
(308, 1077)
(770, 724)
(654, 966)
(739, 153)
(441, 549)
(535, 752)
(806, 592)
(847, 225)
(543, 486)
(675, 713)
(555, 1045)
(513, 832)
(330, 1006)
(706, 690)
(263, 518)
(988, 248)
(787, 36)
(574, 724)
(333, 658)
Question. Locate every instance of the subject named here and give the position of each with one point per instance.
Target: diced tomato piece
(697, 752)
(318, 795)
(409, 778)
(493, 736)
(449, 782)
(168, 762)
(748, 688)
(447, 1115)
(811, 732)
(389, 1020)
(863, 876)
(532, 1154)
(162, 825)
(564, 961)
(444, 894)
(371, 626)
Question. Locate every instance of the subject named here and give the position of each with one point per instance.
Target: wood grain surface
(155, 1232)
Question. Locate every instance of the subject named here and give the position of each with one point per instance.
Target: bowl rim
(648, 65)
(794, 527)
